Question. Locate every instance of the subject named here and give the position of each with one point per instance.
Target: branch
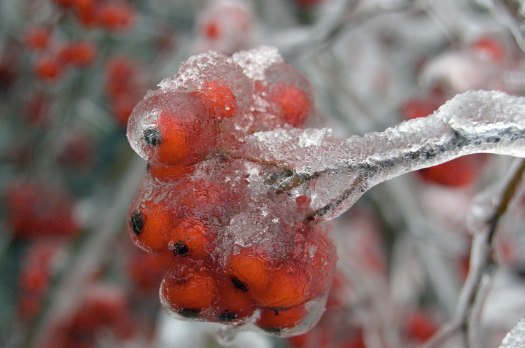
(492, 204)
(337, 173)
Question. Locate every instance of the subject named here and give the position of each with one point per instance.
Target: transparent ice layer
(338, 172)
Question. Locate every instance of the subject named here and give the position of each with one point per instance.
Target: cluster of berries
(234, 252)
(52, 57)
(111, 16)
(34, 210)
(103, 312)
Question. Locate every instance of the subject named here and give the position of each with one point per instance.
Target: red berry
(289, 286)
(120, 76)
(48, 69)
(150, 226)
(85, 11)
(416, 108)
(36, 275)
(115, 17)
(249, 271)
(218, 99)
(420, 327)
(234, 304)
(455, 173)
(212, 30)
(35, 210)
(37, 38)
(458, 172)
(204, 199)
(489, 48)
(181, 136)
(303, 203)
(275, 320)
(190, 293)
(293, 103)
(79, 54)
(104, 309)
(190, 238)
(321, 261)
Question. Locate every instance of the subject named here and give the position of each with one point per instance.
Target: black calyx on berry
(228, 316)
(239, 285)
(189, 312)
(137, 222)
(152, 136)
(179, 248)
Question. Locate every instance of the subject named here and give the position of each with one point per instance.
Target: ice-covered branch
(338, 172)
(489, 208)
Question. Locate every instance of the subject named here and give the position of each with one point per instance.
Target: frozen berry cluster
(234, 252)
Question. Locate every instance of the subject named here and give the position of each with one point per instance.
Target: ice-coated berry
(290, 286)
(182, 134)
(218, 98)
(190, 293)
(275, 320)
(233, 303)
(293, 104)
(150, 225)
(190, 238)
(249, 271)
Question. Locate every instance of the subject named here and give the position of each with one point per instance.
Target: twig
(482, 260)
(472, 122)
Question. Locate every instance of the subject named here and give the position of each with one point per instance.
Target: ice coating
(472, 122)
(234, 253)
(237, 190)
(516, 337)
(255, 62)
